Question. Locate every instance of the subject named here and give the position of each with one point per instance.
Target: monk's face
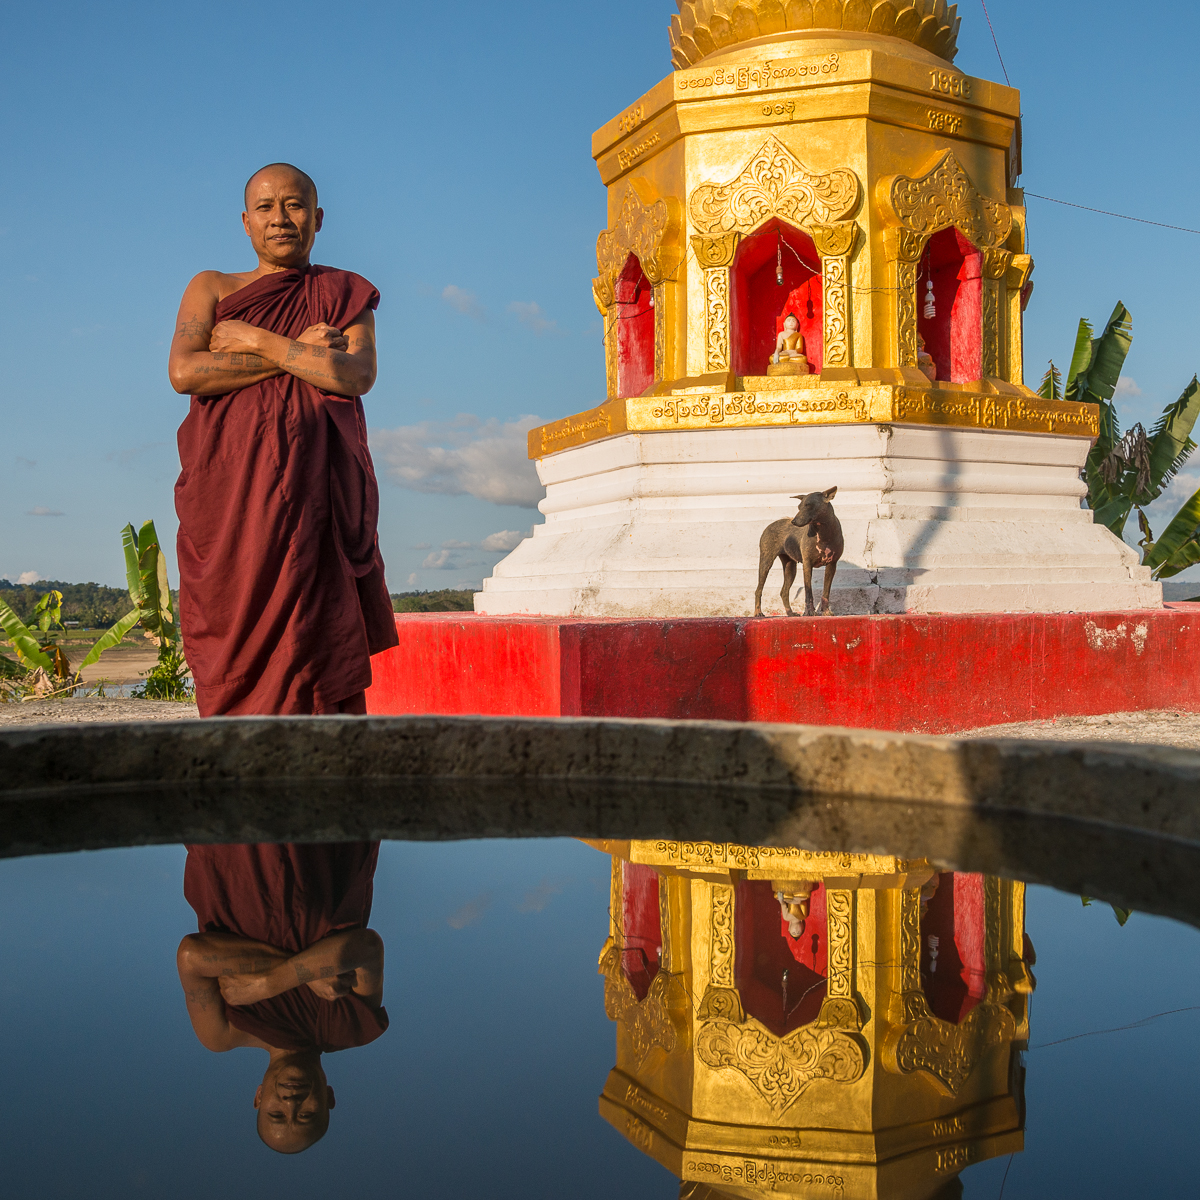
(281, 218)
(293, 1103)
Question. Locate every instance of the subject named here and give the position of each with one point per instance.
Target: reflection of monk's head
(293, 1102)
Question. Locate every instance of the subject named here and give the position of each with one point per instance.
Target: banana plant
(1126, 472)
(149, 590)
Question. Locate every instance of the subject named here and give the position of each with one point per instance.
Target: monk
(282, 592)
(284, 962)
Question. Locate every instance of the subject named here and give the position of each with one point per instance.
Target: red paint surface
(763, 951)
(954, 337)
(932, 673)
(635, 329)
(955, 916)
(757, 297)
(641, 936)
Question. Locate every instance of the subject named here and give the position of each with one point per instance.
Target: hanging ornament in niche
(930, 305)
(779, 262)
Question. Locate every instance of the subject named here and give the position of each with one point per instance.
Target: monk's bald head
(285, 170)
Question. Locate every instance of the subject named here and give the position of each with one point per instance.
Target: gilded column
(995, 266)
(721, 1000)
(714, 254)
(835, 244)
(904, 250)
(660, 331)
(602, 294)
(840, 1008)
(1017, 276)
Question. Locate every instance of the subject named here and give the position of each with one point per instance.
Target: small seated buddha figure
(794, 897)
(925, 361)
(789, 357)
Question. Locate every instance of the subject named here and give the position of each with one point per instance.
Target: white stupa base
(935, 520)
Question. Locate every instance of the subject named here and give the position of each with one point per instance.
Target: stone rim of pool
(1117, 822)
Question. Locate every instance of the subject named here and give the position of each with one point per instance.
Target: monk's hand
(247, 988)
(335, 988)
(234, 337)
(324, 335)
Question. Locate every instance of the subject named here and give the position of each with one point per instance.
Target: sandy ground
(1164, 727)
(1161, 727)
(57, 712)
(121, 664)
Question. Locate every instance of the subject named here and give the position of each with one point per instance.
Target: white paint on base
(935, 520)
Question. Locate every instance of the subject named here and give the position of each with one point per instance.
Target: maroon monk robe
(290, 897)
(282, 594)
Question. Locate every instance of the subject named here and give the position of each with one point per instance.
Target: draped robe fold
(290, 897)
(282, 592)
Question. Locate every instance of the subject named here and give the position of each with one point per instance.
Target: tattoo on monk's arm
(192, 328)
(295, 350)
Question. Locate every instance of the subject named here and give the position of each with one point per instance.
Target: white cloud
(531, 316)
(27, 577)
(42, 511)
(464, 302)
(467, 456)
(537, 900)
(1126, 388)
(470, 912)
(505, 539)
(412, 580)
(422, 546)
(440, 560)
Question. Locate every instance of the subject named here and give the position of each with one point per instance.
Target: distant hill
(93, 605)
(447, 600)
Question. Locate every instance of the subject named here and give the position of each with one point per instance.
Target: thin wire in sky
(1106, 213)
(996, 43)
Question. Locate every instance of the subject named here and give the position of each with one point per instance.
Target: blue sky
(451, 146)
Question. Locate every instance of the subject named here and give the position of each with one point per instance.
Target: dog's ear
(796, 497)
(829, 495)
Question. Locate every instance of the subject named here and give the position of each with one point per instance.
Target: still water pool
(731, 1065)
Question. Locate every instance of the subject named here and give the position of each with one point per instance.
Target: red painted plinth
(914, 673)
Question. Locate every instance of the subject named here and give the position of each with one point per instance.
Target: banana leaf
(1051, 388)
(107, 640)
(1171, 439)
(1095, 371)
(48, 611)
(1113, 512)
(10, 668)
(1081, 355)
(133, 573)
(1169, 555)
(156, 615)
(25, 644)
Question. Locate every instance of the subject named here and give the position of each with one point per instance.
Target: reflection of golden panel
(780, 1068)
(721, 943)
(648, 1023)
(774, 183)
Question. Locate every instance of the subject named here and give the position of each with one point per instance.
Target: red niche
(635, 329)
(781, 979)
(954, 335)
(760, 302)
(952, 946)
(641, 935)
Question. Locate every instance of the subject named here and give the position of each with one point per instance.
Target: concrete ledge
(1121, 823)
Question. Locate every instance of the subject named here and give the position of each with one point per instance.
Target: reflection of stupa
(868, 1049)
(819, 159)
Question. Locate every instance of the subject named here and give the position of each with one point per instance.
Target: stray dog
(812, 537)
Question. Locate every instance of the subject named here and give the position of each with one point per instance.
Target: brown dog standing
(812, 537)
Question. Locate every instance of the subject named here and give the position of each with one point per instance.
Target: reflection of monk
(281, 581)
(284, 962)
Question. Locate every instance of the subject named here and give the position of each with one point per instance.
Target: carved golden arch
(920, 1041)
(917, 208)
(775, 183)
(649, 228)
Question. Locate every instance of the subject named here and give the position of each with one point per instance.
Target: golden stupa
(836, 1063)
(822, 157)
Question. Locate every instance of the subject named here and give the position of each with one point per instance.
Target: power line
(996, 43)
(1106, 213)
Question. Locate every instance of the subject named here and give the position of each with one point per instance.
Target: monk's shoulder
(349, 282)
(219, 284)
